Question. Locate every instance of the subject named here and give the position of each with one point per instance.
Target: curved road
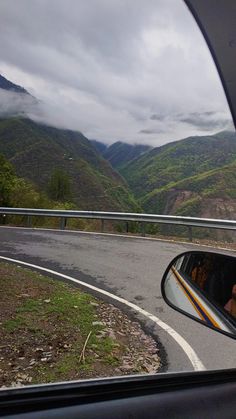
(129, 267)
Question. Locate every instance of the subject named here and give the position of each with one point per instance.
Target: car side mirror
(202, 285)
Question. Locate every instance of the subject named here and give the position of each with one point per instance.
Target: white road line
(189, 351)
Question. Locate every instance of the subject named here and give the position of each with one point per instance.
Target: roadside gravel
(50, 332)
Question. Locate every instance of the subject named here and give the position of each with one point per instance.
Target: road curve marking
(189, 351)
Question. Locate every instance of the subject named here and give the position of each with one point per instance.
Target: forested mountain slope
(40, 153)
(179, 160)
(189, 196)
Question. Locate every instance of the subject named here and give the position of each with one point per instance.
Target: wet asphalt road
(131, 268)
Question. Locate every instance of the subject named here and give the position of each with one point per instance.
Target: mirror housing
(202, 285)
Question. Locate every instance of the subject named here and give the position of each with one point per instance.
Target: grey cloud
(13, 104)
(156, 117)
(201, 121)
(106, 31)
(151, 131)
(207, 121)
(103, 67)
(191, 117)
(207, 113)
(146, 131)
(202, 114)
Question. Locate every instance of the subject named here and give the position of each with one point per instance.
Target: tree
(7, 177)
(59, 185)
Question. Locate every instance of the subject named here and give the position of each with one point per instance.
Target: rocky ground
(142, 354)
(51, 332)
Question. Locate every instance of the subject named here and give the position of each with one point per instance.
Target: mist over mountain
(15, 100)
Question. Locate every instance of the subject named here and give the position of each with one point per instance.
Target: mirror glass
(203, 286)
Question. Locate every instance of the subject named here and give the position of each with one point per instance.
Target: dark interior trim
(51, 396)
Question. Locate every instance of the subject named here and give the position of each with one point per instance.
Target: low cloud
(151, 131)
(194, 122)
(206, 121)
(54, 114)
(156, 117)
(16, 104)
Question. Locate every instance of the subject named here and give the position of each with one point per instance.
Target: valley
(62, 168)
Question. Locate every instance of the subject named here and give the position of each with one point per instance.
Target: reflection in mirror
(203, 286)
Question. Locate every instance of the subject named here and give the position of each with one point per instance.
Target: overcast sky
(131, 70)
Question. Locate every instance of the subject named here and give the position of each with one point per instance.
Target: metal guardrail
(120, 216)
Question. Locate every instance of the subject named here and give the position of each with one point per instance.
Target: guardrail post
(102, 225)
(143, 233)
(63, 223)
(29, 221)
(126, 227)
(190, 233)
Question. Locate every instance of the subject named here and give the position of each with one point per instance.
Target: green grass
(74, 308)
(63, 310)
(13, 324)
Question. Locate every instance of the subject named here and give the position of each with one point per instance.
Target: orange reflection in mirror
(215, 275)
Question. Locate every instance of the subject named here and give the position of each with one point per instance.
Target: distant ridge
(100, 147)
(121, 153)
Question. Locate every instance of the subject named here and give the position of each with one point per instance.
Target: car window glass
(105, 107)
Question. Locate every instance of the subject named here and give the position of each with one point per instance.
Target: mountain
(192, 177)
(8, 85)
(179, 160)
(37, 152)
(119, 153)
(189, 196)
(210, 194)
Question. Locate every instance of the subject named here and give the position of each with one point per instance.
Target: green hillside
(192, 177)
(210, 194)
(179, 160)
(44, 154)
(18, 192)
(195, 190)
